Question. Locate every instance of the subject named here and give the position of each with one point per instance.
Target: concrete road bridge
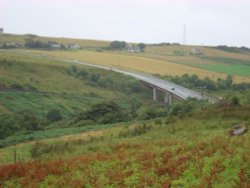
(169, 89)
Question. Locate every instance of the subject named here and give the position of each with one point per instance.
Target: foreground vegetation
(192, 150)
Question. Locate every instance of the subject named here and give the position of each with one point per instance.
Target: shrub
(151, 112)
(104, 113)
(186, 106)
(235, 101)
(17, 86)
(54, 115)
(8, 126)
(29, 121)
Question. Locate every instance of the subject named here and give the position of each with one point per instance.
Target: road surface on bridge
(164, 85)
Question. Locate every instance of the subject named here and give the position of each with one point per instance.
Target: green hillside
(193, 150)
(68, 125)
(38, 94)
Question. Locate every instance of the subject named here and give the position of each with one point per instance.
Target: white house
(196, 51)
(74, 46)
(54, 45)
(132, 49)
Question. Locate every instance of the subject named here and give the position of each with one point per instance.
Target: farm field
(165, 60)
(147, 65)
(155, 65)
(192, 151)
(212, 59)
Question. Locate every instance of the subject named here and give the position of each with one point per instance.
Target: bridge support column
(166, 97)
(170, 99)
(154, 94)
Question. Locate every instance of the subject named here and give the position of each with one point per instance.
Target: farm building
(11, 45)
(74, 46)
(196, 51)
(132, 49)
(54, 45)
(1, 30)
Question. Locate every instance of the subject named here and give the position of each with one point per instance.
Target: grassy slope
(72, 94)
(20, 39)
(197, 153)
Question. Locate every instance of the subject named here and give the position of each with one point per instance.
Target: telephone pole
(184, 40)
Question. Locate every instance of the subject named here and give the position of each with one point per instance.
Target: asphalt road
(175, 89)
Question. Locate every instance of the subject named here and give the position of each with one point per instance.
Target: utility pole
(184, 40)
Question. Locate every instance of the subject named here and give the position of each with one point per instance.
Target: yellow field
(144, 64)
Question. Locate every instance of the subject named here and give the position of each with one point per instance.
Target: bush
(151, 112)
(186, 106)
(17, 86)
(104, 113)
(54, 115)
(8, 126)
(235, 101)
(29, 121)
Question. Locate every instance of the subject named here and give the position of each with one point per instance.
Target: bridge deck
(167, 86)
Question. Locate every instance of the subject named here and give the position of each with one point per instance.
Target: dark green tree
(8, 126)
(142, 46)
(103, 113)
(117, 45)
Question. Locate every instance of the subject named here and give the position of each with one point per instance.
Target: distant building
(132, 49)
(176, 44)
(12, 44)
(196, 51)
(74, 46)
(1, 30)
(54, 45)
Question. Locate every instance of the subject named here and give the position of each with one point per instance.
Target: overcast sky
(208, 22)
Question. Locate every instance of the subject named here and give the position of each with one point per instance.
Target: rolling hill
(67, 125)
(213, 62)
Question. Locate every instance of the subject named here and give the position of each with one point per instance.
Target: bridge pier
(168, 98)
(154, 94)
